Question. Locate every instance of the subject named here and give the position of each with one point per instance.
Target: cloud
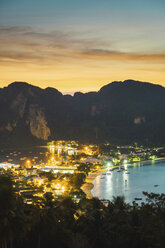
(27, 44)
(54, 38)
(108, 54)
(37, 46)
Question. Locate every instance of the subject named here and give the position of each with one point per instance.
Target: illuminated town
(67, 168)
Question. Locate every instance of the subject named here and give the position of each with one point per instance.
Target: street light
(28, 162)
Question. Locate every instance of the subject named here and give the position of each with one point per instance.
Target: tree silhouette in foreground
(64, 223)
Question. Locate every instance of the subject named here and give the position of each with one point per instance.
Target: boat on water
(23, 158)
(127, 173)
(156, 185)
(108, 173)
(138, 198)
(119, 170)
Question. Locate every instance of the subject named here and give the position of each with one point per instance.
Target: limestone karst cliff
(120, 112)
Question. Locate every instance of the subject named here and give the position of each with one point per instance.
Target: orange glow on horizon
(83, 83)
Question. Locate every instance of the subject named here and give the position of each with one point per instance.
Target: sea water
(147, 176)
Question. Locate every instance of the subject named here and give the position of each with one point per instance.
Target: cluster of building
(62, 158)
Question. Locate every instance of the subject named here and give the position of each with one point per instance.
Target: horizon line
(80, 91)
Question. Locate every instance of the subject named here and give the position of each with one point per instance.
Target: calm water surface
(18, 156)
(142, 177)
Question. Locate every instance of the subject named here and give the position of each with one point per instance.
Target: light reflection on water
(142, 177)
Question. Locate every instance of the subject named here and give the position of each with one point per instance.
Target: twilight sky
(82, 45)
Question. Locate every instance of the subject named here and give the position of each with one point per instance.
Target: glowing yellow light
(52, 158)
(58, 186)
(40, 182)
(28, 162)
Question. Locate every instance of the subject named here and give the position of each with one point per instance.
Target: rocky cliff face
(20, 110)
(121, 112)
(37, 122)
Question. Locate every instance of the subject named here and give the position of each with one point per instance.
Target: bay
(147, 176)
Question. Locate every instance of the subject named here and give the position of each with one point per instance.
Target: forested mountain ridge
(120, 113)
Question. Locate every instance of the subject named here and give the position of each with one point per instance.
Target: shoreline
(88, 185)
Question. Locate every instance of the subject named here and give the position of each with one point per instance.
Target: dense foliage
(64, 223)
